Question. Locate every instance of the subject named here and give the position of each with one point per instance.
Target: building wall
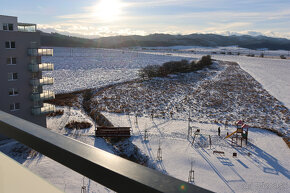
(8, 19)
(23, 42)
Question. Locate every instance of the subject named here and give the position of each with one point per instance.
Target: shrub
(174, 67)
(56, 113)
(78, 125)
(149, 71)
(262, 55)
(87, 95)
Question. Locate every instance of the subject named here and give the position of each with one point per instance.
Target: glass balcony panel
(47, 108)
(41, 67)
(42, 81)
(26, 27)
(45, 95)
(40, 52)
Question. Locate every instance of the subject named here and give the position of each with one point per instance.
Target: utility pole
(145, 135)
(191, 175)
(209, 141)
(159, 153)
(84, 188)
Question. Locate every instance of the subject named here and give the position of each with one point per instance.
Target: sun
(108, 10)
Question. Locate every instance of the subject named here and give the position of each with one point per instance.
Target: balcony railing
(41, 67)
(45, 95)
(47, 108)
(105, 168)
(40, 52)
(26, 27)
(42, 81)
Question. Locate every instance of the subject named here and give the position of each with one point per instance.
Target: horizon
(104, 18)
(124, 35)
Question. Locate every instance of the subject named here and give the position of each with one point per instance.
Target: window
(12, 76)
(14, 106)
(11, 61)
(35, 89)
(10, 27)
(7, 26)
(10, 44)
(13, 91)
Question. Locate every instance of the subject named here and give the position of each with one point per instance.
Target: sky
(98, 18)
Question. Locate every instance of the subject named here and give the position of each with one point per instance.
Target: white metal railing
(41, 67)
(40, 52)
(42, 81)
(45, 95)
(47, 108)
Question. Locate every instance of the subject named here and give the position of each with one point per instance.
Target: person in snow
(219, 131)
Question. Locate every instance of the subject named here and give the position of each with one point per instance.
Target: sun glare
(108, 10)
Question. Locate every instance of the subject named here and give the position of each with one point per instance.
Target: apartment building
(21, 80)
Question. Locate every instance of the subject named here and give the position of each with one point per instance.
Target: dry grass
(287, 141)
(67, 99)
(232, 95)
(56, 113)
(78, 125)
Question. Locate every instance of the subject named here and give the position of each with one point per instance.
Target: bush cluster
(56, 113)
(173, 67)
(78, 125)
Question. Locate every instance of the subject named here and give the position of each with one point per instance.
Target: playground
(241, 159)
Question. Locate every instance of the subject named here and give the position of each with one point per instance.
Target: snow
(262, 166)
(272, 74)
(82, 68)
(265, 170)
(60, 176)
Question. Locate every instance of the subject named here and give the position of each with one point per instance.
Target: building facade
(21, 80)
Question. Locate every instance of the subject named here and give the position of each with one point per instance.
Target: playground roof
(240, 122)
(245, 126)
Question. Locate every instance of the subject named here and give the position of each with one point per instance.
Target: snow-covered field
(273, 74)
(82, 68)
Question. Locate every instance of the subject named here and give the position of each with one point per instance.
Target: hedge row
(173, 67)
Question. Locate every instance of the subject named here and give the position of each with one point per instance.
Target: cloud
(87, 23)
(89, 32)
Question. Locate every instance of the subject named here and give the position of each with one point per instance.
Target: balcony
(47, 108)
(45, 95)
(42, 81)
(98, 165)
(40, 52)
(41, 67)
(26, 27)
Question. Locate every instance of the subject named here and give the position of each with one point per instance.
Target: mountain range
(164, 40)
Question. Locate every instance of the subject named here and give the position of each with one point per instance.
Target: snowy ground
(265, 169)
(262, 166)
(82, 68)
(58, 175)
(273, 74)
(223, 93)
